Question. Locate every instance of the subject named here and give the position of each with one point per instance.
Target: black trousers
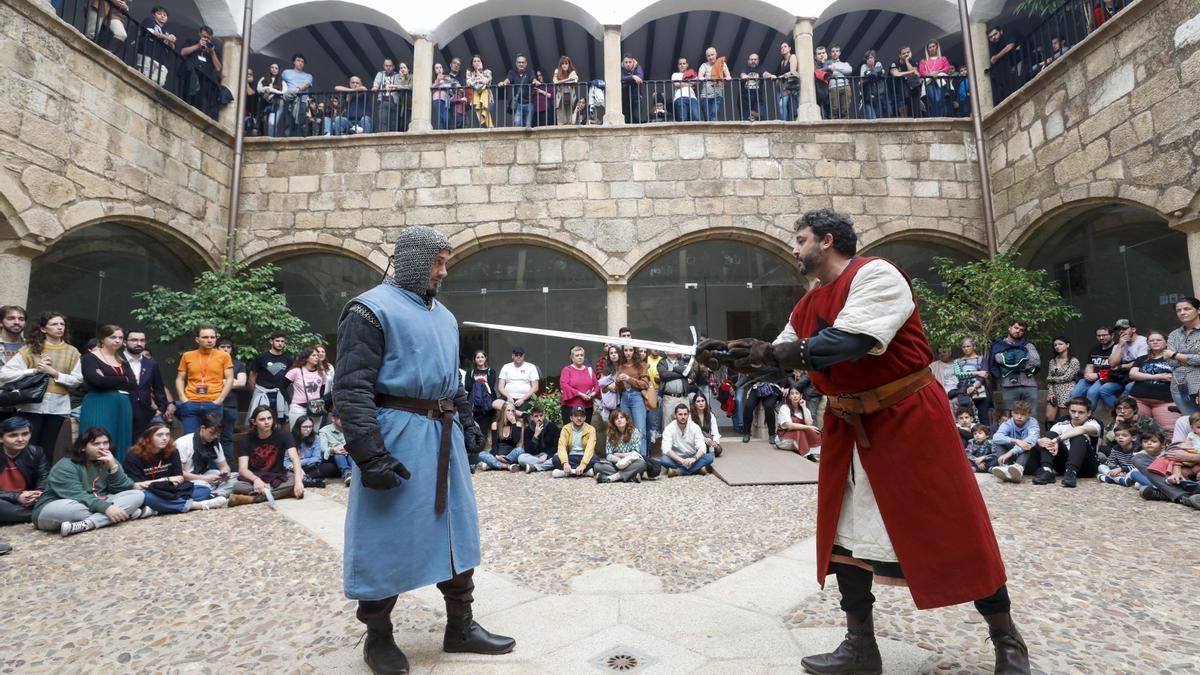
(45, 430)
(770, 403)
(11, 514)
(1079, 455)
(377, 613)
(855, 585)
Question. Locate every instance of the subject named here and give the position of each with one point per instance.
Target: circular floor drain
(622, 662)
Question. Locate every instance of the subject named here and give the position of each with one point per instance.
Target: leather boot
(380, 651)
(463, 635)
(1012, 656)
(858, 653)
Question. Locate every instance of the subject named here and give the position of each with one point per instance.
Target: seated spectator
(541, 443)
(508, 441)
(1016, 437)
(315, 461)
(683, 449)
(1061, 371)
(1119, 468)
(1129, 346)
(518, 382)
(314, 118)
(1069, 447)
(203, 457)
(109, 380)
(1152, 445)
(1151, 375)
(981, 453)
(707, 421)
(23, 471)
(1094, 382)
(1180, 450)
(1126, 411)
(155, 467)
(624, 461)
(674, 384)
(769, 395)
(965, 421)
(260, 456)
(87, 489)
(1177, 470)
(308, 385)
(333, 442)
(576, 448)
(579, 384)
(794, 422)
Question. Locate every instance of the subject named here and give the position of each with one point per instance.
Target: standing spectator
(240, 383)
(149, 398)
(653, 418)
(713, 74)
(631, 89)
(387, 83)
(566, 83)
(47, 350)
(787, 92)
(23, 471)
(110, 380)
(479, 80)
(323, 364)
(153, 45)
(1013, 363)
(110, 14)
(610, 400)
(1152, 374)
(707, 421)
(1061, 372)
(522, 79)
(1005, 47)
(308, 386)
(253, 112)
(685, 104)
(943, 371)
(1069, 447)
(518, 381)
(1105, 10)
(632, 381)
(821, 73)
(204, 379)
(797, 429)
(271, 88)
(1058, 49)
(1094, 383)
(205, 459)
(576, 447)
(155, 467)
(356, 117)
(906, 84)
(934, 67)
(403, 95)
(508, 441)
(314, 118)
(768, 394)
(674, 382)
(1017, 437)
(201, 71)
(1183, 345)
(543, 102)
(541, 442)
(751, 77)
(333, 440)
(875, 100)
(480, 384)
(295, 99)
(683, 448)
(841, 95)
(579, 384)
(962, 100)
(442, 85)
(12, 324)
(267, 376)
(87, 489)
(260, 456)
(1127, 348)
(623, 459)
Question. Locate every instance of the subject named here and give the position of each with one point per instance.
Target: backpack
(1013, 362)
(481, 397)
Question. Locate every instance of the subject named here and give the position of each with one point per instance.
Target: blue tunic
(395, 541)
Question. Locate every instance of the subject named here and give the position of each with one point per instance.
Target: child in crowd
(965, 419)
(1152, 445)
(980, 451)
(1004, 416)
(1178, 471)
(458, 103)
(1119, 468)
(1016, 438)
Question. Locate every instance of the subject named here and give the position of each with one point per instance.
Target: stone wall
(613, 194)
(88, 139)
(1115, 119)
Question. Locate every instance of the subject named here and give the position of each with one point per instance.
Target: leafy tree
(241, 301)
(981, 300)
(549, 401)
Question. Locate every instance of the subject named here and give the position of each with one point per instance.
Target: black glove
(383, 472)
(473, 436)
(712, 353)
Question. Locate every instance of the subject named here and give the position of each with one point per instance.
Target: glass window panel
(318, 286)
(915, 257)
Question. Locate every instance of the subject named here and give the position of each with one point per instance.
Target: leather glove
(383, 472)
(473, 437)
(712, 353)
(749, 354)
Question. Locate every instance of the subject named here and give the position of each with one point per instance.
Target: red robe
(927, 496)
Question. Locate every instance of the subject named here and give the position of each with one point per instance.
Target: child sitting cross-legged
(1119, 468)
(980, 451)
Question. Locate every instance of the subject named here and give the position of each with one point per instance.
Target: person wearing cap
(576, 447)
(1127, 348)
(334, 443)
(23, 471)
(413, 520)
(518, 381)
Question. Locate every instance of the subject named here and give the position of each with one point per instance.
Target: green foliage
(1038, 7)
(983, 298)
(549, 401)
(241, 301)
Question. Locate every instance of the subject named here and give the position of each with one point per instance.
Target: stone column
(612, 76)
(982, 61)
(422, 98)
(231, 62)
(16, 264)
(809, 111)
(618, 305)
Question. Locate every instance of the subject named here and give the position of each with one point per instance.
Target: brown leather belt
(443, 409)
(852, 407)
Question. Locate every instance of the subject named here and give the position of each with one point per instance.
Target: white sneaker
(998, 472)
(558, 473)
(1015, 473)
(356, 129)
(143, 512)
(787, 444)
(482, 466)
(514, 467)
(215, 503)
(528, 468)
(68, 529)
(589, 473)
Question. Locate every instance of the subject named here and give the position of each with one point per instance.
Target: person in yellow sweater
(576, 447)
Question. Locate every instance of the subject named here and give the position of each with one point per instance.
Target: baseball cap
(518, 350)
(578, 409)
(1123, 323)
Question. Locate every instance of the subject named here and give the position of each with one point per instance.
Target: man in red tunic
(895, 500)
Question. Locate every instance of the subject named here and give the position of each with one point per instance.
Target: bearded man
(412, 519)
(895, 501)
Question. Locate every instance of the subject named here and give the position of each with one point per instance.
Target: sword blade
(670, 347)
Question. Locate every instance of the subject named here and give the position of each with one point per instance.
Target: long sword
(666, 347)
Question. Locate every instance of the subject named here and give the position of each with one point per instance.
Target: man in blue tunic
(412, 519)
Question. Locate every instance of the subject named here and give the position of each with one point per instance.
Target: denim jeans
(492, 460)
(787, 107)
(191, 411)
(712, 108)
(635, 406)
(200, 492)
(526, 459)
(704, 461)
(1186, 404)
(441, 116)
(936, 95)
(523, 115)
(1094, 391)
(228, 422)
(687, 109)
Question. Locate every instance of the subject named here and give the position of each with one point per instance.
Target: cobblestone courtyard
(1102, 582)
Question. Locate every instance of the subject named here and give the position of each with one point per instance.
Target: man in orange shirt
(205, 378)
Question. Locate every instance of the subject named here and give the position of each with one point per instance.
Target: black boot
(858, 653)
(381, 653)
(1012, 656)
(463, 635)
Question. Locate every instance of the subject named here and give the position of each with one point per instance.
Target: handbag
(313, 408)
(28, 389)
(651, 396)
(171, 491)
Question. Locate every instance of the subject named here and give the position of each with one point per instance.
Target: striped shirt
(1187, 342)
(1119, 458)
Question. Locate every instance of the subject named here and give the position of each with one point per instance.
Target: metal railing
(109, 26)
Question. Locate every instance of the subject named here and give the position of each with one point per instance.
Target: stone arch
(466, 244)
(482, 12)
(667, 242)
(760, 11)
(296, 242)
(11, 226)
(86, 214)
(1036, 231)
(940, 13)
(963, 245)
(277, 253)
(318, 280)
(277, 17)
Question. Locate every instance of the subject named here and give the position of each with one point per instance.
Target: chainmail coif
(417, 246)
